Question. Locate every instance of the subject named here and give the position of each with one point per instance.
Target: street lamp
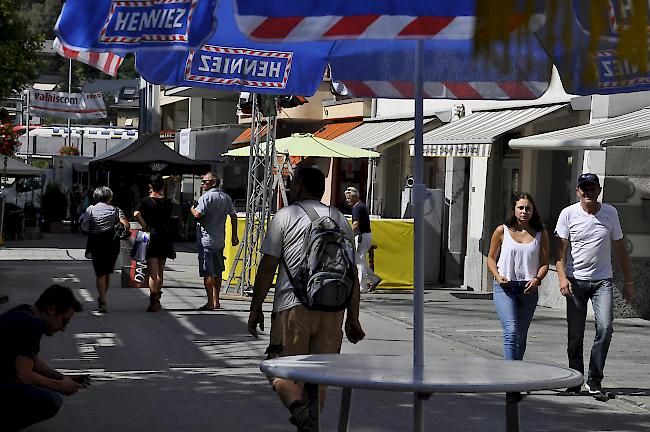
(81, 143)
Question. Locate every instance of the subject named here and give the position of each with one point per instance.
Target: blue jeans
(515, 310)
(22, 405)
(601, 294)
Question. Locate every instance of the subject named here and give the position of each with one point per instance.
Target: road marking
(70, 278)
(137, 375)
(88, 342)
(83, 292)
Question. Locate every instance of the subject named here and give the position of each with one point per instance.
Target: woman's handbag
(121, 233)
(84, 222)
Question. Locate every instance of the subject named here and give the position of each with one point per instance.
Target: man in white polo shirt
(586, 232)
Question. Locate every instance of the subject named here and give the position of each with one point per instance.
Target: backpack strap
(309, 209)
(313, 215)
(311, 212)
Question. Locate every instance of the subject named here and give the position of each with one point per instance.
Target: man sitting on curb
(29, 387)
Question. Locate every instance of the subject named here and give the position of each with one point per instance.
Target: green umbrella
(309, 145)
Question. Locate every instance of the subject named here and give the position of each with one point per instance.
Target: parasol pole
(418, 243)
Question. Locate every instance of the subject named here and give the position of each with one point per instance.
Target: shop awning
(473, 135)
(329, 131)
(245, 136)
(593, 136)
(372, 134)
(335, 130)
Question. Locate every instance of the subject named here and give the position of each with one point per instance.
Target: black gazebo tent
(146, 155)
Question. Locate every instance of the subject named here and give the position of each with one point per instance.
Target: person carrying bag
(106, 226)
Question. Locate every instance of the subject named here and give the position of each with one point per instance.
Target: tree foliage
(42, 16)
(19, 49)
(24, 25)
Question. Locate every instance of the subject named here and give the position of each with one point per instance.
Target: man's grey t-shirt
(214, 206)
(284, 238)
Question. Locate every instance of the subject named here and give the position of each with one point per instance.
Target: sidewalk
(184, 370)
(52, 247)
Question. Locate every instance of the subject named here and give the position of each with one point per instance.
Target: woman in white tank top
(522, 246)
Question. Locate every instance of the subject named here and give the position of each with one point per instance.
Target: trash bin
(134, 273)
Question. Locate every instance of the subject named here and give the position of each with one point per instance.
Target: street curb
(242, 298)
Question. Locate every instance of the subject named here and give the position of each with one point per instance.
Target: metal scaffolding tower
(262, 178)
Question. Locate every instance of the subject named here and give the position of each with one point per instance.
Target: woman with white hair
(103, 246)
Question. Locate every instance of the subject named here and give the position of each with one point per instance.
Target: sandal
(206, 307)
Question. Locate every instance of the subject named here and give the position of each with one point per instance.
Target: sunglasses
(527, 208)
(206, 181)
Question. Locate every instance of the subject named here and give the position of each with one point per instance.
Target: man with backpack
(317, 282)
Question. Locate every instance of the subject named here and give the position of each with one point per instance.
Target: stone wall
(627, 187)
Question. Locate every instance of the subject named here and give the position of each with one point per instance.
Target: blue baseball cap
(588, 178)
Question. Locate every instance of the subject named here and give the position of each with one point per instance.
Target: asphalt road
(184, 370)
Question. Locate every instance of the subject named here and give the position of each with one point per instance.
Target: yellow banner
(393, 257)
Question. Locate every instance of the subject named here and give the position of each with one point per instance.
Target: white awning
(372, 134)
(454, 150)
(475, 133)
(593, 136)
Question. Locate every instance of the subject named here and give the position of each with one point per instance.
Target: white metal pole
(4, 198)
(27, 136)
(70, 91)
(418, 242)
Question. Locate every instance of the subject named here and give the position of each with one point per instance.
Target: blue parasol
(121, 26)
(230, 62)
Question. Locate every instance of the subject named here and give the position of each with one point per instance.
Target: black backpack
(326, 274)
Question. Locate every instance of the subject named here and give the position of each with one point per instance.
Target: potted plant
(69, 151)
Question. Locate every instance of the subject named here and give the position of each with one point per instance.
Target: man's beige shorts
(300, 330)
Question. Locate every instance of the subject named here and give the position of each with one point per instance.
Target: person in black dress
(154, 214)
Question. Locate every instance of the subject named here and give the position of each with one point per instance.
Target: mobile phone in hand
(82, 379)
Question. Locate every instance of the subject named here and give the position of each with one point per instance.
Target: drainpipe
(370, 182)
(372, 167)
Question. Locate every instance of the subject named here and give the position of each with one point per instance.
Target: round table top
(439, 375)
